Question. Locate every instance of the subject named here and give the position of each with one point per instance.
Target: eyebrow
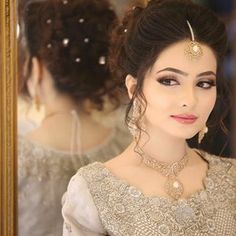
(206, 73)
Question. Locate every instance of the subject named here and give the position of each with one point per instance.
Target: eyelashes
(172, 81)
(207, 84)
(167, 80)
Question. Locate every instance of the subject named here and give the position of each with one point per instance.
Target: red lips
(185, 118)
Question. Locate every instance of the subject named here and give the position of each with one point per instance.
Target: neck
(61, 104)
(61, 107)
(163, 147)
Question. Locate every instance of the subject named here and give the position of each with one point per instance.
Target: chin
(184, 133)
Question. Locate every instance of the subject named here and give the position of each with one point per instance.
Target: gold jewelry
(201, 134)
(36, 102)
(132, 125)
(193, 49)
(173, 187)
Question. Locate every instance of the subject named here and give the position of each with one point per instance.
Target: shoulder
(26, 149)
(225, 164)
(38, 149)
(25, 145)
(94, 172)
(30, 151)
(230, 165)
(85, 177)
(78, 204)
(22, 141)
(94, 178)
(36, 160)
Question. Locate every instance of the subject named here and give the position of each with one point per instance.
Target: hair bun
(71, 38)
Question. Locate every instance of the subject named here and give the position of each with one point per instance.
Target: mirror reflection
(69, 111)
(72, 106)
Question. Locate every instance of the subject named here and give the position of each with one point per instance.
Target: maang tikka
(193, 49)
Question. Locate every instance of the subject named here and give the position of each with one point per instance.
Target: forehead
(175, 56)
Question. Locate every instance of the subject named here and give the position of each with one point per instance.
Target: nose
(188, 97)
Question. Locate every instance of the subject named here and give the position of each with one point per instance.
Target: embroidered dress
(43, 175)
(98, 203)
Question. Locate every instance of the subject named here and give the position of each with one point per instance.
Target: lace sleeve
(79, 212)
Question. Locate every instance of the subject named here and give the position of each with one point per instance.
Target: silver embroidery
(125, 211)
(164, 230)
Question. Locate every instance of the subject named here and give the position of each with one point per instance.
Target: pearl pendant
(174, 188)
(193, 50)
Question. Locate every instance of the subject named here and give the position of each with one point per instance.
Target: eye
(168, 81)
(206, 84)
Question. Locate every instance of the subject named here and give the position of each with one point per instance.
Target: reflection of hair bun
(71, 37)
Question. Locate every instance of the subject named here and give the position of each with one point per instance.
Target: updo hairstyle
(71, 38)
(146, 31)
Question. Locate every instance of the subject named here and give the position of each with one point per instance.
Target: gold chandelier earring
(132, 124)
(201, 134)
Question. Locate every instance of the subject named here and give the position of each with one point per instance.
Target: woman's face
(180, 92)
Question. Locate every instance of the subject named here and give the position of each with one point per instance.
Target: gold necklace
(173, 187)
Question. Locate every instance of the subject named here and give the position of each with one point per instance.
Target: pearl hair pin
(65, 42)
(48, 21)
(102, 60)
(86, 40)
(77, 60)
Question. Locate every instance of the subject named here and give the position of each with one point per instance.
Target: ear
(35, 76)
(130, 83)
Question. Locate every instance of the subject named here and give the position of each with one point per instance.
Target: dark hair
(146, 32)
(71, 38)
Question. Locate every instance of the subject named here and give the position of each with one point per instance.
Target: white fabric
(80, 211)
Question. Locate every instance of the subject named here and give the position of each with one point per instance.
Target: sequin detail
(124, 210)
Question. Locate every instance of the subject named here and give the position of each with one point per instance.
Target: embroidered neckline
(125, 210)
(207, 180)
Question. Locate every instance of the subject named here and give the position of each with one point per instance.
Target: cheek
(208, 103)
(159, 103)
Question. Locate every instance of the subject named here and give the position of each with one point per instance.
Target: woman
(67, 73)
(169, 54)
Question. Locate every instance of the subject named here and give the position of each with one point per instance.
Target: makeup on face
(185, 118)
(206, 79)
(180, 93)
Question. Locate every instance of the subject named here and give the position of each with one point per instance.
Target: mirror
(68, 114)
(8, 101)
(8, 171)
(55, 132)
